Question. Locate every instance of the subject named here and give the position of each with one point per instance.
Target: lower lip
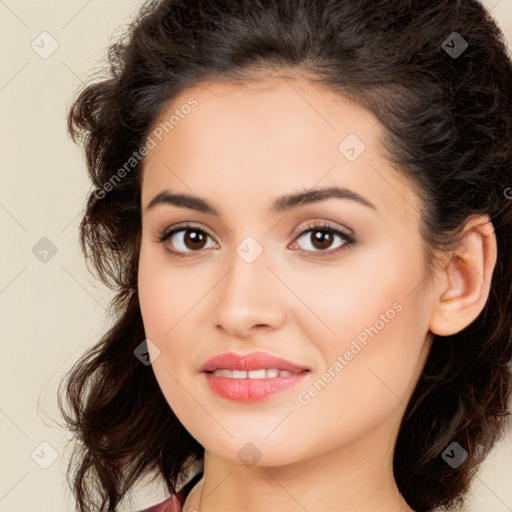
(251, 390)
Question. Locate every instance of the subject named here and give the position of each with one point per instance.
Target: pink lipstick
(251, 377)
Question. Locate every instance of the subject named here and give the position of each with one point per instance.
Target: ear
(463, 286)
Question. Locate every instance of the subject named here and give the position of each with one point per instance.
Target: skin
(241, 147)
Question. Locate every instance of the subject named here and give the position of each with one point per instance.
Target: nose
(250, 298)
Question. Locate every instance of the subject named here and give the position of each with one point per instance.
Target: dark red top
(169, 505)
(175, 502)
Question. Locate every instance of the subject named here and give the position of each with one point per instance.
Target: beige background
(51, 312)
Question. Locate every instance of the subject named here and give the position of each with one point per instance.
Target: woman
(304, 210)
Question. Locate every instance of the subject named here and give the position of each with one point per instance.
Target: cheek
(363, 382)
(392, 320)
(165, 295)
(377, 315)
(158, 303)
(164, 302)
(153, 301)
(343, 301)
(171, 298)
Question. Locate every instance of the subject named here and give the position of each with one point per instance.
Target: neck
(351, 478)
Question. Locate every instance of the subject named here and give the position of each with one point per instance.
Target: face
(335, 285)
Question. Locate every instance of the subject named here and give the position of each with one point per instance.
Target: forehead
(270, 137)
(236, 117)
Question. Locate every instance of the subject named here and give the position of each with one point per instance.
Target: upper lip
(251, 361)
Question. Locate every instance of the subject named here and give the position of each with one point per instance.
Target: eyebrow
(280, 205)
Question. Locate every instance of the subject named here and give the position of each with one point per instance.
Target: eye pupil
(324, 238)
(195, 237)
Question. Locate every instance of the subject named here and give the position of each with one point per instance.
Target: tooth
(257, 374)
(252, 374)
(223, 373)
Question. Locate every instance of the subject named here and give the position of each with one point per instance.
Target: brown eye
(320, 238)
(185, 239)
(194, 239)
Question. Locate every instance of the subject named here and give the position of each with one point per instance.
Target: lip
(251, 390)
(250, 361)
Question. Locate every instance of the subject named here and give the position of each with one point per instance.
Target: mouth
(251, 377)
(263, 373)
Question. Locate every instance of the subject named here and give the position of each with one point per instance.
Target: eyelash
(315, 226)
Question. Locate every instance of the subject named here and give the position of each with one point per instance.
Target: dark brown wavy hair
(447, 121)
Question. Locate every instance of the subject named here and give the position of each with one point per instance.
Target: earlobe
(463, 288)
